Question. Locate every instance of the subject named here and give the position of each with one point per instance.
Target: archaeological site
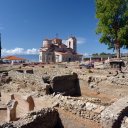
(63, 95)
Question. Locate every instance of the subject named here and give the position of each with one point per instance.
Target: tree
(103, 53)
(113, 23)
(95, 54)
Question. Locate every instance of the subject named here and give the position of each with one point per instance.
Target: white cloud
(81, 40)
(86, 54)
(19, 51)
(32, 51)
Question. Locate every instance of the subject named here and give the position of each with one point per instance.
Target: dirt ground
(76, 121)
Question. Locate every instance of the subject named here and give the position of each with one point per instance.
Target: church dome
(57, 41)
(47, 43)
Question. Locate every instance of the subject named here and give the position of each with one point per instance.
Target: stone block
(11, 110)
(113, 115)
(30, 103)
(30, 71)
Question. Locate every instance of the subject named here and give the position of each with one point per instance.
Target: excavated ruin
(63, 96)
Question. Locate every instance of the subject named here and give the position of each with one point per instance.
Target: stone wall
(4, 78)
(112, 116)
(99, 65)
(45, 118)
(83, 107)
(66, 84)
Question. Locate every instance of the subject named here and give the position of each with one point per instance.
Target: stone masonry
(113, 115)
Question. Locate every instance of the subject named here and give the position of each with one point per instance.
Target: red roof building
(56, 51)
(14, 59)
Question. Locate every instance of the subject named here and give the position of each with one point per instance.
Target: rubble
(36, 119)
(33, 91)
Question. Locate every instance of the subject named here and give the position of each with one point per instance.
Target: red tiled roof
(13, 58)
(63, 53)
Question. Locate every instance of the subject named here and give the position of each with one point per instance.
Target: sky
(24, 24)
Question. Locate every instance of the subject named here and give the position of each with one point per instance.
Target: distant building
(13, 60)
(53, 50)
(99, 58)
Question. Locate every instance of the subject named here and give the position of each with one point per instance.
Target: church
(54, 50)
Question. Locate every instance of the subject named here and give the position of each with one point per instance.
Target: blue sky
(25, 23)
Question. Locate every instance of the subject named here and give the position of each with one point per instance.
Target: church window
(69, 44)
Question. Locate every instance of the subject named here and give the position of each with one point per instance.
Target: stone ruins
(64, 95)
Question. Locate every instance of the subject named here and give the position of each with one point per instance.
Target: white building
(55, 51)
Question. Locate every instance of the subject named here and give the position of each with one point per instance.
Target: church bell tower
(72, 43)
